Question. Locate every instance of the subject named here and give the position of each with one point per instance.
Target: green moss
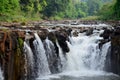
(20, 42)
(18, 51)
(5, 29)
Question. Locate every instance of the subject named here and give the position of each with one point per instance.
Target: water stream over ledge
(1, 75)
(84, 61)
(60, 52)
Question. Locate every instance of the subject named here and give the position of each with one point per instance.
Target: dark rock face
(52, 37)
(107, 33)
(89, 31)
(75, 33)
(106, 36)
(43, 33)
(52, 56)
(108, 66)
(113, 56)
(115, 51)
(12, 58)
(62, 37)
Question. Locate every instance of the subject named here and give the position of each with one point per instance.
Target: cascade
(53, 59)
(85, 53)
(29, 53)
(103, 55)
(62, 57)
(1, 77)
(49, 48)
(41, 58)
(84, 60)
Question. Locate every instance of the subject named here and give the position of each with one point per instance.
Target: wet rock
(106, 34)
(3, 36)
(53, 59)
(89, 31)
(43, 33)
(11, 55)
(75, 33)
(52, 36)
(102, 42)
(69, 30)
(62, 37)
(115, 51)
(20, 34)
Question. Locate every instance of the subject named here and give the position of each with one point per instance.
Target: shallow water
(82, 78)
(85, 75)
(84, 61)
(88, 78)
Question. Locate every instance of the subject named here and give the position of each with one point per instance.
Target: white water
(29, 54)
(84, 59)
(42, 63)
(103, 55)
(49, 45)
(1, 76)
(82, 53)
(62, 57)
(85, 54)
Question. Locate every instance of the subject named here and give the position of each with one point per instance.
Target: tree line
(110, 10)
(57, 9)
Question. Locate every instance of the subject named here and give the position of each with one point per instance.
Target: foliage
(106, 11)
(117, 9)
(110, 11)
(93, 6)
(23, 10)
(20, 42)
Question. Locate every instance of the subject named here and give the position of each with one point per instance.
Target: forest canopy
(58, 9)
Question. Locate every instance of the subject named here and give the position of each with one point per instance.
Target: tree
(117, 9)
(9, 6)
(4, 6)
(93, 6)
(82, 9)
(54, 7)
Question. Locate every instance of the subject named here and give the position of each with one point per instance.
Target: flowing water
(84, 61)
(41, 58)
(29, 53)
(62, 57)
(1, 77)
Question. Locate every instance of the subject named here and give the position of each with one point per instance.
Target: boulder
(89, 31)
(62, 37)
(43, 33)
(107, 33)
(75, 33)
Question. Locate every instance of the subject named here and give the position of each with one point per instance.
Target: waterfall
(29, 53)
(41, 58)
(85, 53)
(49, 48)
(53, 59)
(103, 55)
(62, 57)
(1, 76)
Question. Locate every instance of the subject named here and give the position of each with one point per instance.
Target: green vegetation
(20, 42)
(117, 9)
(24, 10)
(110, 11)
